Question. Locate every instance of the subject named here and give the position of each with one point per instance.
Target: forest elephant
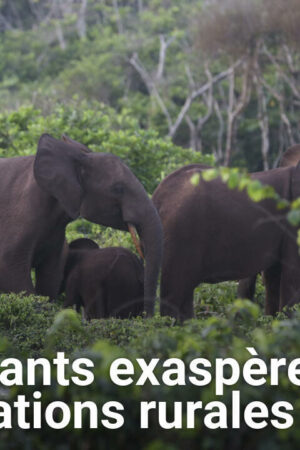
(77, 244)
(41, 194)
(107, 282)
(213, 233)
(246, 287)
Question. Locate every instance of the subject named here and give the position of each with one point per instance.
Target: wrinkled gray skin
(246, 287)
(41, 194)
(213, 233)
(77, 244)
(107, 282)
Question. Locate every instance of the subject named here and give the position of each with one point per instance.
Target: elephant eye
(118, 188)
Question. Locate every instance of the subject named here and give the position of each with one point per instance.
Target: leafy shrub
(222, 335)
(24, 321)
(150, 158)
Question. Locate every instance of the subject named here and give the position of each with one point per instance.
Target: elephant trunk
(150, 232)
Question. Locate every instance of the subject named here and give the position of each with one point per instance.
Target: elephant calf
(107, 282)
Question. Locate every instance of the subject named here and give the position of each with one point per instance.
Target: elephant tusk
(137, 244)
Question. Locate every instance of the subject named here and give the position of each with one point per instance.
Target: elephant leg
(16, 280)
(49, 274)
(95, 304)
(246, 287)
(289, 289)
(176, 294)
(290, 282)
(177, 303)
(272, 282)
(124, 299)
(187, 308)
(73, 296)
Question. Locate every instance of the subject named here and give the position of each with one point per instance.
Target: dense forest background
(160, 83)
(218, 76)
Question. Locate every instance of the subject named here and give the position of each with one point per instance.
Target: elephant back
(291, 157)
(83, 244)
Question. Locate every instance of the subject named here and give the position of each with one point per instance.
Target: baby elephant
(107, 282)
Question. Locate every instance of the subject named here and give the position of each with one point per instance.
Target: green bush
(24, 321)
(102, 129)
(240, 325)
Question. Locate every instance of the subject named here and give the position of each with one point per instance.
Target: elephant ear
(80, 146)
(295, 185)
(56, 170)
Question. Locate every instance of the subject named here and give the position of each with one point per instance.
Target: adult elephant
(107, 282)
(213, 234)
(41, 194)
(246, 287)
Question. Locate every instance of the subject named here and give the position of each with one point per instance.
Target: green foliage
(239, 179)
(120, 115)
(35, 326)
(236, 178)
(45, 59)
(24, 321)
(151, 158)
(104, 236)
(224, 333)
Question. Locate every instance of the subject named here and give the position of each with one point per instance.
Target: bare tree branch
(263, 121)
(289, 59)
(136, 63)
(81, 24)
(283, 114)
(290, 81)
(208, 99)
(4, 23)
(190, 77)
(193, 133)
(195, 129)
(140, 6)
(118, 17)
(162, 56)
(196, 93)
(219, 154)
(235, 107)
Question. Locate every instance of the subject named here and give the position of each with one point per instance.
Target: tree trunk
(81, 24)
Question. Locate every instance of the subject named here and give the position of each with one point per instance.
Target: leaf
(195, 179)
(209, 174)
(294, 217)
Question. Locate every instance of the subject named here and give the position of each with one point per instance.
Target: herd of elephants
(192, 233)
